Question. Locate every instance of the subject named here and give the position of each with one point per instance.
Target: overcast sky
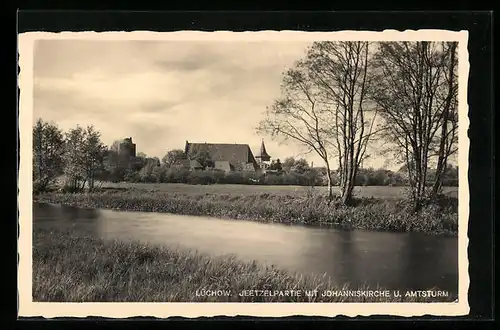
(162, 93)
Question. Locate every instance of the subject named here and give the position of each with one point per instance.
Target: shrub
(177, 175)
(201, 177)
(273, 179)
(234, 178)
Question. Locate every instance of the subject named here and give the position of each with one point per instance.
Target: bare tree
(417, 96)
(74, 159)
(300, 166)
(173, 156)
(201, 154)
(83, 157)
(141, 155)
(449, 119)
(300, 115)
(341, 70)
(288, 163)
(93, 153)
(324, 107)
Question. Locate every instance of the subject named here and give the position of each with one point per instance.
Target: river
(390, 260)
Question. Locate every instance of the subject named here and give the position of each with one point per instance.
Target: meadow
(384, 192)
(70, 267)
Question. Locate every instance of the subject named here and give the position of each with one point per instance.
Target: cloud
(164, 93)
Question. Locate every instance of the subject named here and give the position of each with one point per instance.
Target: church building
(225, 156)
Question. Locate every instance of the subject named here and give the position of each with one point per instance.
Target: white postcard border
(28, 308)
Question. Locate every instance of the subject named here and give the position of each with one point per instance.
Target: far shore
(374, 214)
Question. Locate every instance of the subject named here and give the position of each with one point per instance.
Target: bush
(201, 177)
(316, 177)
(160, 174)
(177, 176)
(132, 176)
(70, 189)
(234, 178)
(273, 179)
(38, 187)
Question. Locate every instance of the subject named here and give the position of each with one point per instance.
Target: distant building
(127, 148)
(223, 156)
(263, 158)
(123, 154)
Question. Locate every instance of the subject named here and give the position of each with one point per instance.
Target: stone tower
(127, 148)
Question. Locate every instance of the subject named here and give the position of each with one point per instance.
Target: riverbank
(369, 214)
(71, 267)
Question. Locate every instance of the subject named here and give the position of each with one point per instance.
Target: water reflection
(67, 218)
(390, 260)
(440, 254)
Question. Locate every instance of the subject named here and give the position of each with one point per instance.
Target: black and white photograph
(303, 171)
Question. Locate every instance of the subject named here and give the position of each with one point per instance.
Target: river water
(390, 260)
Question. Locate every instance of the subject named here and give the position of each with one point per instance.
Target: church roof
(233, 153)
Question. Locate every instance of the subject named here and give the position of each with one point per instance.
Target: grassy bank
(369, 214)
(75, 268)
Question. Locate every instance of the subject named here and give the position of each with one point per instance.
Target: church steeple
(264, 156)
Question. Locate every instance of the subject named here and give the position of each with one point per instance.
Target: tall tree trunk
(418, 178)
(347, 191)
(347, 182)
(442, 154)
(329, 182)
(91, 180)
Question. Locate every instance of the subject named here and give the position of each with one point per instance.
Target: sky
(162, 93)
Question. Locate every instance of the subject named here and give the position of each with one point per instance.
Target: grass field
(385, 192)
(72, 268)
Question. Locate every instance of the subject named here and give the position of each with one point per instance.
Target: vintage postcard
(272, 173)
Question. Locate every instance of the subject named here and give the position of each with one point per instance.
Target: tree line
(310, 177)
(344, 96)
(289, 172)
(77, 155)
(79, 159)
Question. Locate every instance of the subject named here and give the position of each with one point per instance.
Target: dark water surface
(391, 260)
